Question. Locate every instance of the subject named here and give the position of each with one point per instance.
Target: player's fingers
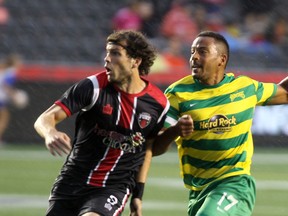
(60, 148)
(185, 116)
(65, 145)
(51, 151)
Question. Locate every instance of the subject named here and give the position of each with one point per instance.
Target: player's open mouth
(108, 70)
(195, 67)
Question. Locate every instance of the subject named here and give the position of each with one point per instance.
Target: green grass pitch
(28, 172)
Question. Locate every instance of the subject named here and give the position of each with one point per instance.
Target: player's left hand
(135, 207)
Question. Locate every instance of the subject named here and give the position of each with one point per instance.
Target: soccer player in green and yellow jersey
(210, 119)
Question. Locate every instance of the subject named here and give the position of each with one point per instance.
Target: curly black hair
(137, 46)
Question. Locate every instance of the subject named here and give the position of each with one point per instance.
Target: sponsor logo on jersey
(129, 143)
(236, 95)
(218, 124)
(144, 119)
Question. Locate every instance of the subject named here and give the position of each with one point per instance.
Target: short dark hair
(137, 46)
(219, 38)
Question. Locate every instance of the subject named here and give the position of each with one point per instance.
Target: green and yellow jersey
(221, 144)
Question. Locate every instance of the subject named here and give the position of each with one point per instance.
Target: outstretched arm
(183, 127)
(281, 96)
(56, 142)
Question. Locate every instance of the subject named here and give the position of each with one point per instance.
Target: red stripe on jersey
(101, 173)
(157, 94)
(127, 107)
(102, 79)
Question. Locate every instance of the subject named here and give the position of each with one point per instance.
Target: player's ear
(135, 62)
(223, 60)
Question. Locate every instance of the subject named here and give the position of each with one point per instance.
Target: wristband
(138, 190)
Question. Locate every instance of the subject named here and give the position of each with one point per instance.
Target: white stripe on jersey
(92, 171)
(108, 173)
(95, 93)
(164, 111)
(170, 121)
(133, 113)
(119, 109)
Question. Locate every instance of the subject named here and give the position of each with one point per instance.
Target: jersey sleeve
(77, 97)
(264, 92)
(173, 112)
(161, 120)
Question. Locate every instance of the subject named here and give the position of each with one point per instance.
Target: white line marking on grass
(258, 158)
(167, 158)
(27, 155)
(33, 201)
(271, 185)
(175, 183)
(164, 205)
(30, 201)
(23, 201)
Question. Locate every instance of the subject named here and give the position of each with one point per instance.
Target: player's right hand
(58, 143)
(185, 125)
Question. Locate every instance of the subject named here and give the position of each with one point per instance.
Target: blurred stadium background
(64, 41)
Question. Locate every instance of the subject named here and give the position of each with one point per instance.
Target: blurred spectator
(133, 16)
(178, 22)
(172, 57)
(234, 35)
(4, 14)
(213, 6)
(257, 6)
(200, 15)
(277, 29)
(8, 93)
(255, 25)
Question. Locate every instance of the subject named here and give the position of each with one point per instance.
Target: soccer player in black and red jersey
(119, 113)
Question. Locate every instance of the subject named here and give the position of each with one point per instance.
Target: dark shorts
(233, 196)
(106, 202)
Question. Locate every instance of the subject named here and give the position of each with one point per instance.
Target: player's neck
(132, 85)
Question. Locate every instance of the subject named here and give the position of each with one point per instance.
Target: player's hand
(135, 207)
(58, 143)
(185, 125)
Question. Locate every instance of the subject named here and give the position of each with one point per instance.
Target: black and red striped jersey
(110, 132)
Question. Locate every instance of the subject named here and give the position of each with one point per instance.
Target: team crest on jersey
(144, 119)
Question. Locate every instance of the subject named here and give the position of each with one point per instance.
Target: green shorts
(233, 196)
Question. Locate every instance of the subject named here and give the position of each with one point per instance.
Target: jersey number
(230, 198)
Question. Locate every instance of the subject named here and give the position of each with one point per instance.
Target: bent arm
(164, 140)
(184, 127)
(281, 96)
(45, 125)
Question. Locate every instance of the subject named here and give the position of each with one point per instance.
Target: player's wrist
(138, 190)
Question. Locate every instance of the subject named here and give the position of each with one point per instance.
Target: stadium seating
(75, 31)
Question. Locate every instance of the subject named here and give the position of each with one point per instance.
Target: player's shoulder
(233, 76)
(99, 79)
(185, 81)
(156, 93)
(242, 78)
